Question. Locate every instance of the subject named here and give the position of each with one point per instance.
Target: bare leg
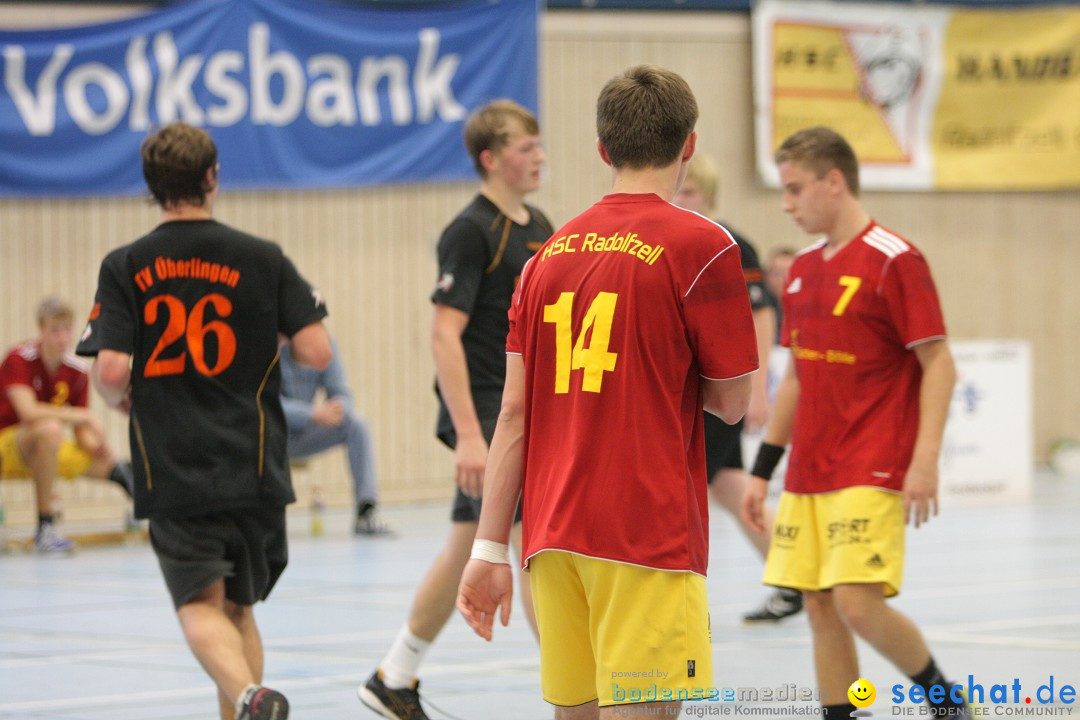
(434, 600)
(39, 445)
(224, 640)
(864, 610)
(91, 439)
(585, 711)
(243, 617)
(663, 710)
(727, 490)
(835, 657)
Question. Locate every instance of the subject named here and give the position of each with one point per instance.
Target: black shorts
(248, 547)
(465, 508)
(723, 445)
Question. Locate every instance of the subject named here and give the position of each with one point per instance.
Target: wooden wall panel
(1003, 261)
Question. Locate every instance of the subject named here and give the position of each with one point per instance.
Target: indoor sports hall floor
(93, 637)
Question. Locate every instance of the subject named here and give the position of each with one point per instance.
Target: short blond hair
(702, 172)
(54, 307)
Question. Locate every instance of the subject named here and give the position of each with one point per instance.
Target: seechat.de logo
(862, 693)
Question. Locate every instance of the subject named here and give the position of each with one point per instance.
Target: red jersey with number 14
(851, 322)
(618, 318)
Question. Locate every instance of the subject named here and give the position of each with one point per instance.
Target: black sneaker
(396, 704)
(782, 603)
(264, 704)
(369, 522)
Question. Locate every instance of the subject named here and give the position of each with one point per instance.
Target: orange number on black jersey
(174, 330)
(569, 356)
(194, 330)
(851, 285)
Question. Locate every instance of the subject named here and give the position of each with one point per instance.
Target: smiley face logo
(862, 693)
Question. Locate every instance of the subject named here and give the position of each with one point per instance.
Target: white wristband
(490, 551)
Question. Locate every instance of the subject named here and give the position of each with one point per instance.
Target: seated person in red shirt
(44, 392)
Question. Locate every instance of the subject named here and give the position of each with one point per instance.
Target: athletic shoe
(369, 523)
(782, 603)
(49, 540)
(396, 703)
(263, 704)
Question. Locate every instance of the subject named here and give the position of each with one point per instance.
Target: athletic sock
(840, 710)
(45, 519)
(244, 696)
(364, 508)
(124, 476)
(790, 594)
(930, 676)
(400, 666)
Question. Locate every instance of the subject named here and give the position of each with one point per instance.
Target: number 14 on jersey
(572, 354)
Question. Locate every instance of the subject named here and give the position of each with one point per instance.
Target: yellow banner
(825, 87)
(930, 98)
(1009, 111)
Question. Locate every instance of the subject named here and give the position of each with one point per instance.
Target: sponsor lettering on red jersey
(618, 318)
(851, 322)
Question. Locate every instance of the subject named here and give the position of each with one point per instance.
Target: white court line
(283, 684)
(1010, 623)
(965, 633)
(944, 588)
(1010, 642)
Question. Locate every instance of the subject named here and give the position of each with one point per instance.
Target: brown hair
(54, 308)
(175, 160)
(644, 116)
(821, 149)
(486, 128)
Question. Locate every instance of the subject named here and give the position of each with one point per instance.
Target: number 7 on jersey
(572, 355)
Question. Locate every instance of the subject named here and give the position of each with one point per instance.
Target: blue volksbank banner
(295, 93)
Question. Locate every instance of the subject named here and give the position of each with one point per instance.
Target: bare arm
(782, 418)
(487, 586)
(502, 478)
(452, 374)
(935, 392)
(29, 408)
(111, 375)
(728, 399)
(310, 346)
(777, 433)
(765, 327)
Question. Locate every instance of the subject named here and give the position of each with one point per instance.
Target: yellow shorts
(73, 461)
(619, 633)
(851, 536)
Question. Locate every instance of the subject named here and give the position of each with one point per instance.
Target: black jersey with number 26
(198, 306)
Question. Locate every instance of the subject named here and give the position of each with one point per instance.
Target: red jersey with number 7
(618, 317)
(851, 322)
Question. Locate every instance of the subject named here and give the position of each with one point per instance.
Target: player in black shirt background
(723, 443)
(481, 254)
(185, 332)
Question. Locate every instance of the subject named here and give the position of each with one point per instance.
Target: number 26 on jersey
(189, 330)
(571, 354)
